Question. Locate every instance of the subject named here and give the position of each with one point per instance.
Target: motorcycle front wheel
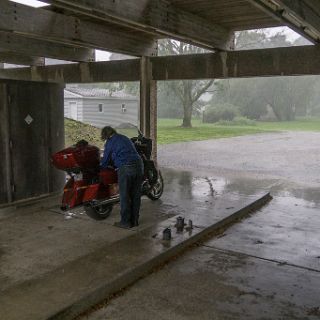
(156, 189)
(98, 212)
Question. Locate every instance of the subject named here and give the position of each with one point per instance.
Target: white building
(97, 107)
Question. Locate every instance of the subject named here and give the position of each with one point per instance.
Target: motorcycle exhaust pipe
(105, 202)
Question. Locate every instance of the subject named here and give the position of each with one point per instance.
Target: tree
(260, 39)
(175, 98)
(245, 93)
(287, 96)
(187, 91)
(169, 105)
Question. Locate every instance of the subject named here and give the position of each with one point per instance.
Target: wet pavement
(288, 165)
(293, 156)
(35, 242)
(286, 231)
(211, 284)
(57, 264)
(265, 267)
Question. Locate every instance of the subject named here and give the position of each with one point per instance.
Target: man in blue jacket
(121, 152)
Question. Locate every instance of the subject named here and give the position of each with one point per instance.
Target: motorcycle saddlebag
(82, 157)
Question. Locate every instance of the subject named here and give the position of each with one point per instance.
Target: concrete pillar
(148, 103)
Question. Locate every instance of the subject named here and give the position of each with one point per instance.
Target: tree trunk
(187, 114)
(187, 104)
(276, 112)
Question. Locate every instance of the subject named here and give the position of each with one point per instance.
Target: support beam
(19, 59)
(300, 15)
(6, 168)
(144, 114)
(157, 17)
(33, 47)
(46, 25)
(292, 61)
(148, 104)
(110, 71)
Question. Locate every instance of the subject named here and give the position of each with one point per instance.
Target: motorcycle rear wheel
(156, 190)
(98, 212)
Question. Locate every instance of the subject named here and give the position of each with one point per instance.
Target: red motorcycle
(97, 189)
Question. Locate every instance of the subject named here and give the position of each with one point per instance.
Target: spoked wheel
(157, 189)
(98, 212)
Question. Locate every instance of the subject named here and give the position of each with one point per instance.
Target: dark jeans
(130, 179)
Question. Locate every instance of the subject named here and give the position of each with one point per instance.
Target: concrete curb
(102, 293)
(36, 202)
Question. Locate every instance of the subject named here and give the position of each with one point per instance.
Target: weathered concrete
(212, 284)
(54, 266)
(267, 266)
(286, 231)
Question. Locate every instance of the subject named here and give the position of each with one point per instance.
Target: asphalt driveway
(293, 156)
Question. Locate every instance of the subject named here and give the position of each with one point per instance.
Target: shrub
(219, 112)
(237, 121)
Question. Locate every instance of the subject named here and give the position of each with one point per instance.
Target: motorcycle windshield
(129, 130)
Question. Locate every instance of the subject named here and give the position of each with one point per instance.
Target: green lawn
(169, 130)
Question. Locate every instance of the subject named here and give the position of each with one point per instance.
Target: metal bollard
(180, 224)
(166, 235)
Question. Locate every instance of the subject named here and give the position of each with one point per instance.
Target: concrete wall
(32, 128)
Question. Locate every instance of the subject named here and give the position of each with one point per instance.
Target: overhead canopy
(72, 29)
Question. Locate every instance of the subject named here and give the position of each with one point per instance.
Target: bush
(219, 112)
(237, 121)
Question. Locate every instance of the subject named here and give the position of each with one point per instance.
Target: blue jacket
(121, 150)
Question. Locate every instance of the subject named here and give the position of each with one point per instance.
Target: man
(121, 151)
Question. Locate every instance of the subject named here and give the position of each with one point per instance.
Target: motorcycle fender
(95, 192)
(73, 193)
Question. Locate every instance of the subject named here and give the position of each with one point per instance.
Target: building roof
(80, 92)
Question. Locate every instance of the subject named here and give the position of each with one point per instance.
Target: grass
(75, 131)
(169, 130)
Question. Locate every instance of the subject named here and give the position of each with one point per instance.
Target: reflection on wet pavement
(265, 267)
(286, 230)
